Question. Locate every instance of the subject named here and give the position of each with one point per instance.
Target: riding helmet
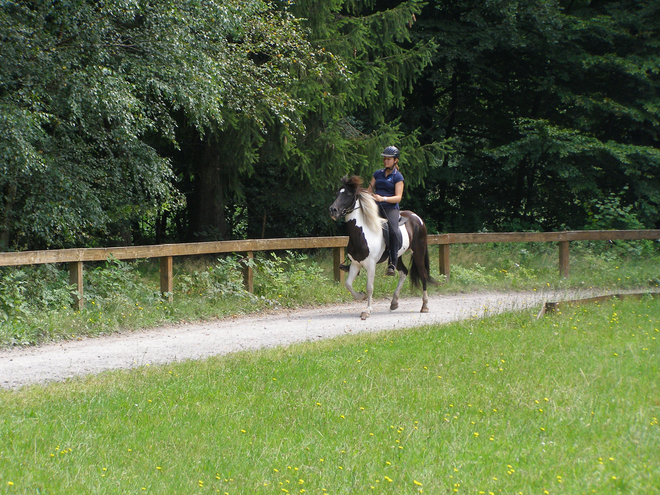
(391, 151)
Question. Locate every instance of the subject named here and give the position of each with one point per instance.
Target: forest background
(136, 122)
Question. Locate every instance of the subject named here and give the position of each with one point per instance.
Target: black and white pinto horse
(367, 245)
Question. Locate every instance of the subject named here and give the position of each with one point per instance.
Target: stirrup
(391, 271)
(344, 268)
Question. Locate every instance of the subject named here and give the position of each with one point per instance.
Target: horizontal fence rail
(166, 252)
(562, 238)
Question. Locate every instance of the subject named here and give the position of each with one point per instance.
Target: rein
(352, 209)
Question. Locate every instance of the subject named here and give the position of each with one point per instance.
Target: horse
(367, 244)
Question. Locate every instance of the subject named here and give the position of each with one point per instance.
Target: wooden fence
(166, 252)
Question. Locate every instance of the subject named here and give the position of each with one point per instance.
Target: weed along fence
(562, 238)
(166, 252)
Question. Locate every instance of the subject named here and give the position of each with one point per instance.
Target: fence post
(248, 272)
(563, 258)
(338, 258)
(76, 278)
(444, 260)
(166, 277)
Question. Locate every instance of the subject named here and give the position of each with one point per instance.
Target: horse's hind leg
(420, 261)
(425, 302)
(425, 296)
(403, 273)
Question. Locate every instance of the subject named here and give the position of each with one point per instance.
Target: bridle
(351, 209)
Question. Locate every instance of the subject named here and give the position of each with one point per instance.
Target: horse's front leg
(371, 275)
(353, 272)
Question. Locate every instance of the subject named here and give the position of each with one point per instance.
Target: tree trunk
(208, 199)
(9, 197)
(161, 226)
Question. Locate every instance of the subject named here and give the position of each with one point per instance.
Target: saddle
(386, 232)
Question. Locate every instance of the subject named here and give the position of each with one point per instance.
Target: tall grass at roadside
(120, 296)
(601, 264)
(509, 404)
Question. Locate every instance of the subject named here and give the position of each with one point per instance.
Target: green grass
(508, 404)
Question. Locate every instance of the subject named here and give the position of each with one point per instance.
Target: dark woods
(152, 123)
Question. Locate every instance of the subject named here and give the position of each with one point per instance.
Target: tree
(91, 92)
(548, 107)
(277, 175)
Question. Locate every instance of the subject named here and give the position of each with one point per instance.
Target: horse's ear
(354, 181)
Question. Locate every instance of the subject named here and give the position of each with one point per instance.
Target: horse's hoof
(364, 315)
(394, 305)
(424, 309)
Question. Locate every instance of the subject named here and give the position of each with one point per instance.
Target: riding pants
(392, 215)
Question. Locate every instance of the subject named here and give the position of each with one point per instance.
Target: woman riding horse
(367, 247)
(386, 185)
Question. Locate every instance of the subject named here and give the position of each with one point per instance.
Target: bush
(116, 283)
(285, 278)
(13, 303)
(225, 278)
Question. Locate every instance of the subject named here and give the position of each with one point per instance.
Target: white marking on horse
(374, 239)
(405, 240)
(418, 218)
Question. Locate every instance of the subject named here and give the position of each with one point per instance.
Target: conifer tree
(349, 116)
(551, 108)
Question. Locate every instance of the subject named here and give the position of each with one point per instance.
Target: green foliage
(119, 114)
(222, 279)
(27, 295)
(349, 121)
(27, 290)
(91, 93)
(608, 213)
(13, 304)
(549, 106)
(283, 279)
(363, 65)
(116, 283)
(475, 275)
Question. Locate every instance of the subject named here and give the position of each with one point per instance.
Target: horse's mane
(372, 218)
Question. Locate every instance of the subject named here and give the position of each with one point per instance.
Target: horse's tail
(422, 276)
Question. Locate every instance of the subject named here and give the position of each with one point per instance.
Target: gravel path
(61, 361)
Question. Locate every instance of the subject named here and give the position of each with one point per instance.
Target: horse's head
(346, 196)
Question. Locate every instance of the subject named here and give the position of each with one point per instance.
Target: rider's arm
(398, 194)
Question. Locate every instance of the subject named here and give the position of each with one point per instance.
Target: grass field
(567, 404)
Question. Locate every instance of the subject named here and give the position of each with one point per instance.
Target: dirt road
(61, 361)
